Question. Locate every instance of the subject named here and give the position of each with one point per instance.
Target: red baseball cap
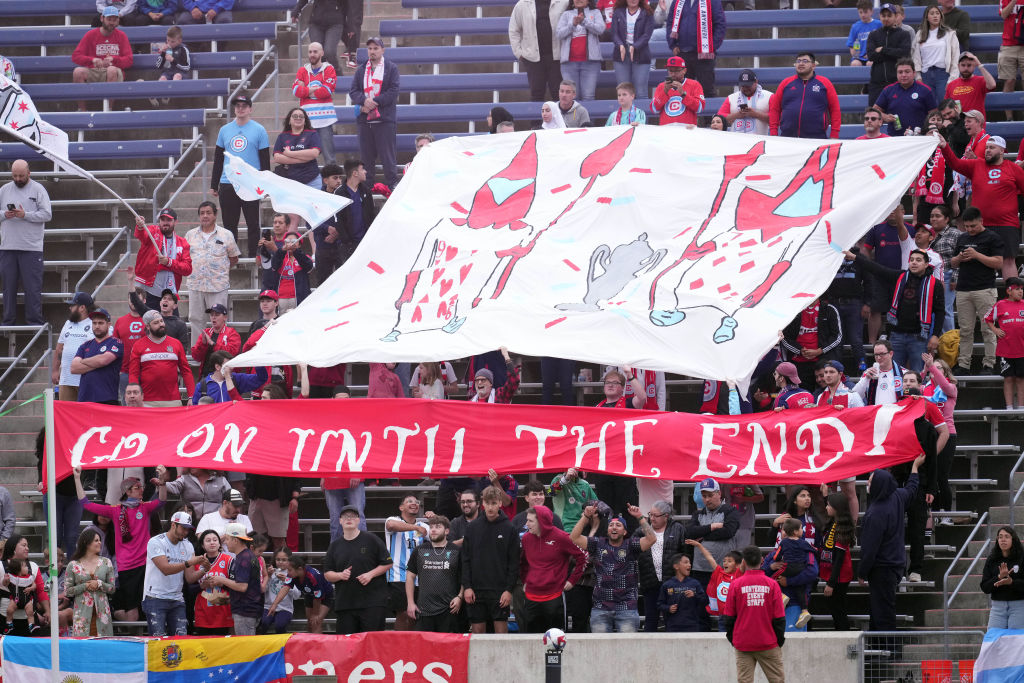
(676, 61)
(268, 294)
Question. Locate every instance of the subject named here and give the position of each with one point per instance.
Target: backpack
(949, 347)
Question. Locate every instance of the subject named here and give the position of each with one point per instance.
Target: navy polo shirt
(100, 385)
(355, 214)
(910, 104)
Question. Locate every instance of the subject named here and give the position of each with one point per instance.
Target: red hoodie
(544, 560)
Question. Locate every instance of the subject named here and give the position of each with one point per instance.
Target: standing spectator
(695, 31)
(214, 253)
(656, 564)
(632, 26)
(572, 113)
(98, 362)
(351, 223)
(858, 39)
(678, 99)
(314, 86)
(403, 534)
(544, 564)
(168, 309)
(469, 503)
(721, 580)
(805, 105)
(26, 211)
(883, 243)
(160, 267)
(242, 582)
(88, 580)
(201, 489)
(682, 599)
(935, 51)
(156, 363)
(977, 136)
(837, 394)
(814, 335)
(76, 331)
(615, 560)
(1010, 62)
(129, 328)
(579, 30)
(531, 33)
(219, 336)
(212, 613)
(271, 500)
(342, 492)
(229, 512)
(483, 383)
(979, 253)
(756, 621)
(1003, 579)
(205, 12)
(268, 299)
(383, 382)
(173, 60)
(69, 509)
(356, 563)
(966, 88)
(168, 555)
(883, 555)
(746, 110)
(326, 26)
(490, 565)
(958, 20)
(375, 91)
(1006, 321)
(946, 235)
(435, 568)
(218, 384)
(849, 295)
(103, 54)
(326, 236)
(247, 140)
(886, 46)
(269, 244)
(570, 492)
(883, 384)
(311, 584)
(905, 104)
(295, 152)
(835, 545)
(131, 537)
(153, 12)
(715, 526)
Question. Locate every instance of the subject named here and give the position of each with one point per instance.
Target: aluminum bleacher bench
(35, 64)
(129, 149)
(156, 119)
(56, 8)
(51, 36)
(193, 87)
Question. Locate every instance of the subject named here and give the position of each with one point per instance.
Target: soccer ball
(554, 639)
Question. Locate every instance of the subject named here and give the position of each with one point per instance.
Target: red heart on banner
(464, 271)
(445, 286)
(438, 272)
(417, 315)
(450, 253)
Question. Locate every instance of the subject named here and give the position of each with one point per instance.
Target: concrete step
(976, 617)
(16, 478)
(22, 440)
(18, 458)
(1000, 514)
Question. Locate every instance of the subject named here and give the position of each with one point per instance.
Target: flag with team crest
(19, 118)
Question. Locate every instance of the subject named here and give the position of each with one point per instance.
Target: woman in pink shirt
(941, 390)
(131, 535)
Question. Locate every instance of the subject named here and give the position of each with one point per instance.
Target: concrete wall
(655, 658)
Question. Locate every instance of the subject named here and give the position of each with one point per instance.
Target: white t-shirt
(933, 51)
(908, 245)
(447, 375)
(631, 25)
(160, 585)
(72, 336)
(213, 520)
(885, 393)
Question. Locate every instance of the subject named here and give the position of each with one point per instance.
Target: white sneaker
(914, 577)
(945, 521)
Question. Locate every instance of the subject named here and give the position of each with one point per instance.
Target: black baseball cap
(81, 299)
(170, 213)
(218, 308)
(375, 39)
(241, 99)
(100, 313)
(747, 76)
(170, 292)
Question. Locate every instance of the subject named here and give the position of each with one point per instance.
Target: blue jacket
(687, 617)
(882, 531)
(804, 109)
(387, 101)
(686, 41)
(244, 381)
(206, 5)
(642, 31)
(272, 277)
(164, 7)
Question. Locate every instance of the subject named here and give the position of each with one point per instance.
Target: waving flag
(27, 660)
(249, 659)
(667, 248)
(1001, 659)
(19, 118)
(286, 196)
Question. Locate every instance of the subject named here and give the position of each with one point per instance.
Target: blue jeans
(69, 521)
(606, 621)
(792, 614)
(950, 300)
(936, 78)
(1006, 614)
(165, 617)
(584, 75)
(378, 141)
(339, 498)
(907, 349)
(26, 268)
(637, 74)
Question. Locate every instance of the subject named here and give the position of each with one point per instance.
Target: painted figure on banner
(619, 267)
(468, 258)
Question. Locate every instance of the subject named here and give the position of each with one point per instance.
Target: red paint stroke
(468, 153)
(561, 188)
(375, 268)
(458, 207)
(755, 178)
(573, 130)
(554, 322)
(746, 266)
(774, 241)
(685, 230)
(877, 169)
(604, 200)
(571, 264)
(803, 295)
(748, 243)
(342, 308)
(697, 284)
(718, 261)
(724, 288)
(640, 170)
(828, 231)
(328, 329)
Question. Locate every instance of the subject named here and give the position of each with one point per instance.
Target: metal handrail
(99, 259)
(886, 638)
(947, 601)
(245, 81)
(200, 167)
(1012, 497)
(42, 358)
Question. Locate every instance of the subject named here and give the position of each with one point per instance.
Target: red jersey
(933, 414)
(718, 589)
(829, 556)
(1010, 23)
(970, 92)
(865, 137)
(156, 366)
(213, 609)
(808, 336)
(1009, 317)
(95, 44)
(678, 106)
(649, 379)
(995, 187)
(228, 340)
(129, 328)
(977, 144)
(755, 600)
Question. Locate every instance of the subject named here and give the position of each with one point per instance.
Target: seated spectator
(551, 116)
(1003, 579)
(126, 10)
(103, 54)
(205, 12)
(746, 110)
(579, 31)
(153, 12)
(678, 99)
(173, 61)
(496, 116)
(626, 114)
(858, 40)
(872, 125)
(682, 599)
(573, 113)
(219, 336)
(228, 512)
(1007, 323)
(718, 122)
(214, 385)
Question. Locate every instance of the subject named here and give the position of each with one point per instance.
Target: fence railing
(917, 655)
(42, 332)
(947, 597)
(1011, 497)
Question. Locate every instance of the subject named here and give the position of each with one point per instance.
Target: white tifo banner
(668, 248)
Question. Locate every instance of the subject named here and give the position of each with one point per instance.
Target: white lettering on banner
(638, 449)
(845, 438)
(303, 434)
(430, 433)
(542, 437)
(434, 672)
(311, 668)
(883, 423)
(231, 441)
(761, 444)
(459, 438)
(581, 450)
(136, 439)
(402, 433)
(708, 446)
(206, 429)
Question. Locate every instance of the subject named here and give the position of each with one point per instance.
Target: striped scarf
(926, 300)
(705, 44)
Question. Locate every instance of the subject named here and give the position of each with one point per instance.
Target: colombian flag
(242, 659)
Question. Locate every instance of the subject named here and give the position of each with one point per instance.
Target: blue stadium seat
(50, 36)
(191, 87)
(133, 149)
(200, 60)
(156, 119)
(56, 8)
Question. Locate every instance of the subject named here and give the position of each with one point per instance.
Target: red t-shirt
(607, 8)
(718, 589)
(156, 365)
(825, 566)
(865, 137)
(755, 600)
(286, 286)
(1010, 23)
(209, 615)
(578, 49)
(129, 328)
(1009, 317)
(995, 187)
(808, 337)
(933, 414)
(970, 92)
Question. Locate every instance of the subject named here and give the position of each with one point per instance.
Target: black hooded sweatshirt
(490, 554)
(882, 531)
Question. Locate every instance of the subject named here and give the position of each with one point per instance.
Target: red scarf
(829, 398)
(931, 179)
(649, 379)
(705, 31)
(373, 81)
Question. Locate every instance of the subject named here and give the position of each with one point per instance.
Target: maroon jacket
(544, 560)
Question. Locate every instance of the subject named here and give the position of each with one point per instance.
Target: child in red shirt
(1006, 320)
(721, 578)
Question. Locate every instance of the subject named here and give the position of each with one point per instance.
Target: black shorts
(129, 589)
(1011, 367)
(1010, 236)
(486, 608)
(444, 622)
(397, 601)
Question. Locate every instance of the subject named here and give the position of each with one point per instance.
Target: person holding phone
(27, 209)
(746, 110)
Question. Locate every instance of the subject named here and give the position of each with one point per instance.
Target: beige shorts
(1010, 61)
(99, 75)
(268, 517)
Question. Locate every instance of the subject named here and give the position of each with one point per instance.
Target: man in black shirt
(490, 565)
(469, 501)
(356, 563)
(435, 566)
(886, 46)
(979, 254)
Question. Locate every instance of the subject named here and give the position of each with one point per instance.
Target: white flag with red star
(286, 196)
(667, 248)
(19, 118)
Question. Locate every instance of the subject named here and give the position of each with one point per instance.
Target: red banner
(390, 437)
(406, 656)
